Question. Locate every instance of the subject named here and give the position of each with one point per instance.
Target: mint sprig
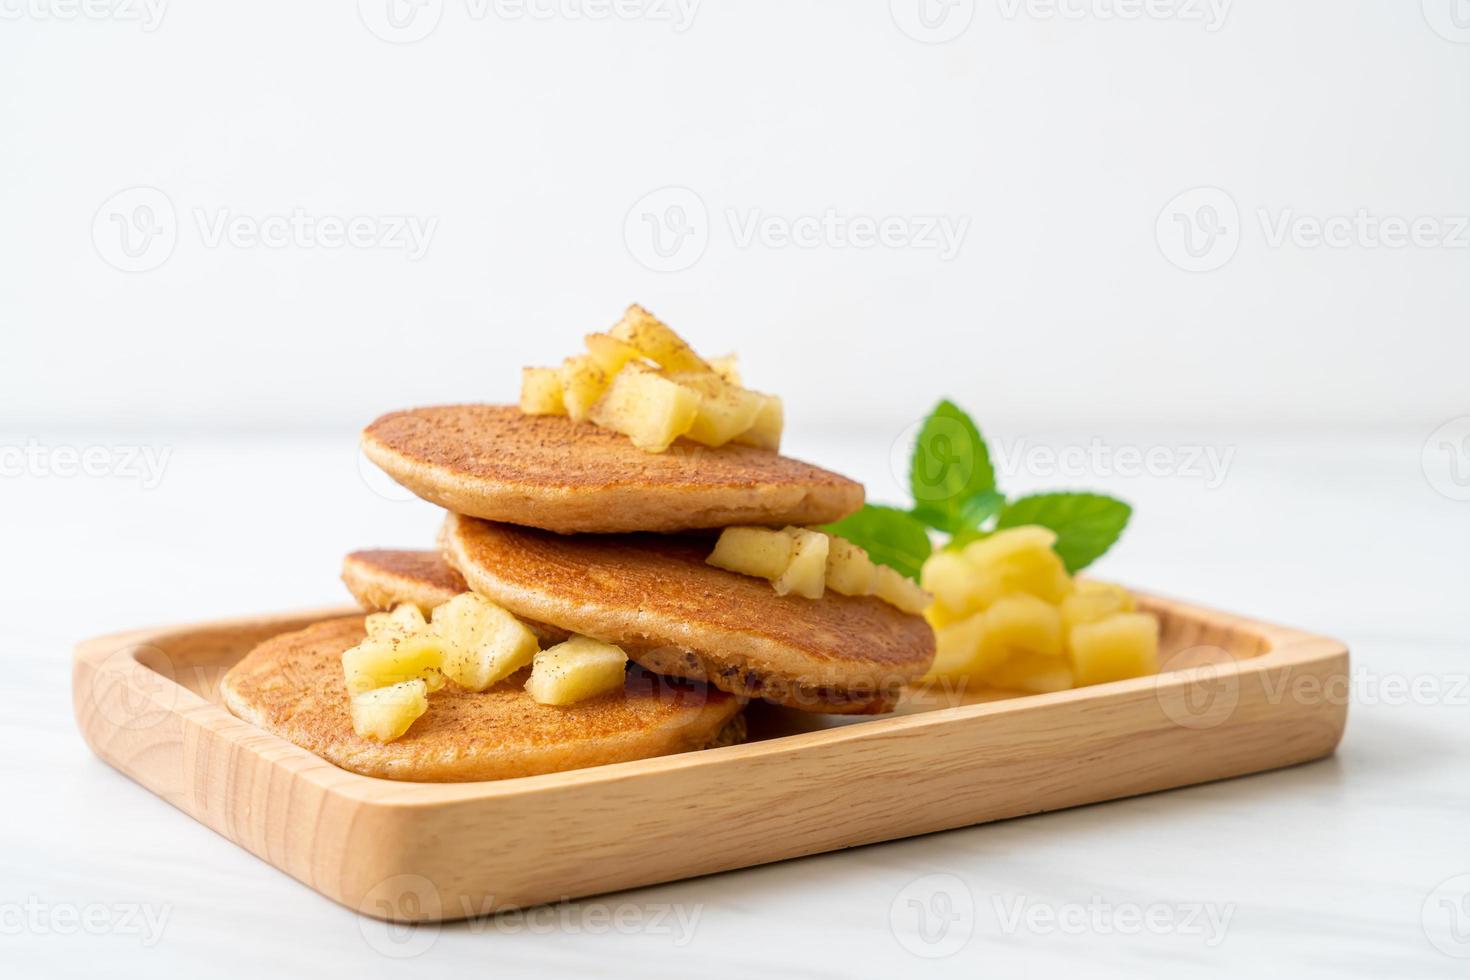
(952, 481)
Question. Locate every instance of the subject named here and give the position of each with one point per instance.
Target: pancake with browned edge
(654, 596)
(292, 686)
(546, 471)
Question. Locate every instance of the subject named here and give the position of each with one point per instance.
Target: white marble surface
(1328, 869)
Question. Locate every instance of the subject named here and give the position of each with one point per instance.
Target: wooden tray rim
(1285, 647)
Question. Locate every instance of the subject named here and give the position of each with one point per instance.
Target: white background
(1328, 380)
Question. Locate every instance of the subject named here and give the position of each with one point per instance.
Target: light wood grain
(1237, 697)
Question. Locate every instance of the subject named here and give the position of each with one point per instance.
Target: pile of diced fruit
(1006, 614)
(641, 379)
(474, 643)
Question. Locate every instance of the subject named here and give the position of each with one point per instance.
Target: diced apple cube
(576, 670)
(393, 655)
(725, 411)
(726, 367)
(650, 410)
(1092, 601)
(656, 341)
(583, 383)
(542, 392)
(758, 551)
(610, 353)
(896, 589)
(1022, 623)
(1123, 645)
(765, 432)
(483, 643)
(385, 713)
(806, 573)
(955, 648)
(849, 569)
(1018, 560)
(1032, 674)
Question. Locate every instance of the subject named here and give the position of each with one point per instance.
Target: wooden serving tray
(1236, 697)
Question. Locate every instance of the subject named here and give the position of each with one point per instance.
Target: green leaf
(890, 536)
(949, 469)
(1086, 524)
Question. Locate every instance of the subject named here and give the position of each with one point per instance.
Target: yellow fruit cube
(650, 410)
(610, 353)
(578, 669)
(725, 411)
(583, 383)
(482, 642)
(806, 574)
(385, 713)
(758, 551)
(849, 569)
(657, 342)
(1123, 645)
(1093, 601)
(955, 648)
(896, 589)
(393, 655)
(954, 582)
(1033, 674)
(765, 432)
(726, 367)
(1022, 623)
(541, 391)
(1018, 560)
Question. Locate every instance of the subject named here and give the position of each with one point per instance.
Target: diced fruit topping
(1120, 646)
(756, 551)
(646, 407)
(576, 670)
(1008, 615)
(541, 391)
(643, 380)
(385, 713)
(393, 654)
(806, 562)
(482, 642)
(806, 573)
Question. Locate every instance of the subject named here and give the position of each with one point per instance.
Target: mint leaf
(890, 536)
(1087, 524)
(950, 467)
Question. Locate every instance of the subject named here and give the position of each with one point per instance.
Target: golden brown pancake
(546, 471)
(383, 578)
(291, 686)
(654, 596)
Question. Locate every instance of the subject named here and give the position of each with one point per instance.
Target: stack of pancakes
(576, 531)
